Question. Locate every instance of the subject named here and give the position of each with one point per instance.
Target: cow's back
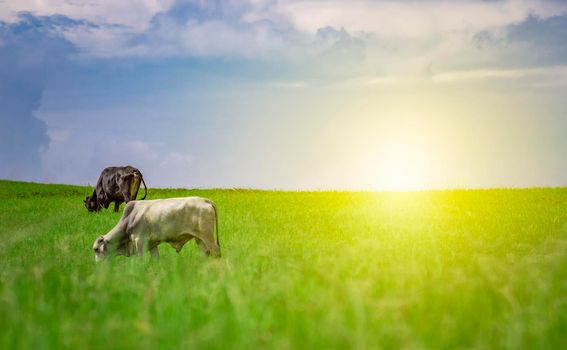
(111, 181)
(172, 216)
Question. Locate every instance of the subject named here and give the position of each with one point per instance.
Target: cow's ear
(100, 239)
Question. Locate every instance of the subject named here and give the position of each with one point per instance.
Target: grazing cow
(115, 184)
(146, 224)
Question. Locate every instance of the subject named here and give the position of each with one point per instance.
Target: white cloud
(216, 38)
(412, 19)
(542, 77)
(114, 21)
(260, 28)
(135, 14)
(547, 76)
(384, 42)
(479, 74)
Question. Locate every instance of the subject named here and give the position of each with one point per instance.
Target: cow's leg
(214, 249)
(180, 242)
(125, 187)
(154, 252)
(208, 247)
(127, 192)
(202, 246)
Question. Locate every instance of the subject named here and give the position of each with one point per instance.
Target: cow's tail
(145, 188)
(216, 221)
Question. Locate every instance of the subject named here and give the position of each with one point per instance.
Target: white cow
(146, 224)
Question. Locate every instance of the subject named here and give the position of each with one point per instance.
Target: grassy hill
(480, 269)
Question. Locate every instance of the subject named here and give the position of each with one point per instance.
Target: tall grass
(450, 269)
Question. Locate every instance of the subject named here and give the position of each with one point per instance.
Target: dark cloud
(341, 43)
(545, 37)
(533, 42)
(485, 40)
(231, 12)
(30, 51)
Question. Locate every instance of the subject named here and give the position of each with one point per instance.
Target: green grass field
(483, 269)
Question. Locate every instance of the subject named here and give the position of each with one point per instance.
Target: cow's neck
(116, 234)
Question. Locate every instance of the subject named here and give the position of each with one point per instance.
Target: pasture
(483, 269)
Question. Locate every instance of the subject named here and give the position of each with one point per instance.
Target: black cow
(115, 184)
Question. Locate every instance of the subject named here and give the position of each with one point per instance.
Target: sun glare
(401, 164)
(401, 170)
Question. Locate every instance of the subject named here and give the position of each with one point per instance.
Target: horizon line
(252, 189)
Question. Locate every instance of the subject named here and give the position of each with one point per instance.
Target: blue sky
(286, 94)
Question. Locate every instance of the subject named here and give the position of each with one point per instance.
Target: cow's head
(91, 204)
(100, 248)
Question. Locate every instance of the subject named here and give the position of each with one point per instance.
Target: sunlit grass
(452, 269)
